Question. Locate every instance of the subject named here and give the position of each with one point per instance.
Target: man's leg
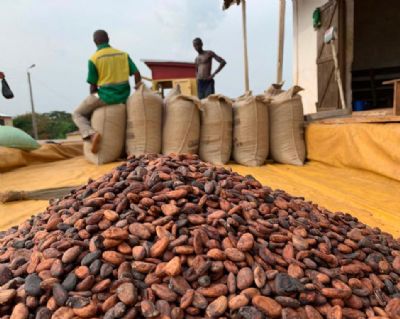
(200, 89)
(81, 117)
(212, 87)
(209, 88)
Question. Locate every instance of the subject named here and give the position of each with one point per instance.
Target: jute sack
(250, 130)
(144, 122)
(286, 116)
(216, 129)
(110, 122)
(181, 131)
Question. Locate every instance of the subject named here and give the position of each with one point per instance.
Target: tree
(52, 125)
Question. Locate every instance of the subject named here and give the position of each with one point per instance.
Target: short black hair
(197, 40)
(100, 36)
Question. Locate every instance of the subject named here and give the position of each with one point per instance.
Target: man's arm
(133, 70)
(92, 78)
(196, 66)
(138, 77)
(93, 88)
(221, 61)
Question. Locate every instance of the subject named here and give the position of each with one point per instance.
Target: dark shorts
(205, 88)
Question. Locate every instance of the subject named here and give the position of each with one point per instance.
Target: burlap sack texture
(250, 130)
(144, 122)
(216, 129)
(110, 122)
(274, 90)
(286, 116)
(181, 128)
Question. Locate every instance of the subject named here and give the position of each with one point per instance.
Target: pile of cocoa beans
(174, 237)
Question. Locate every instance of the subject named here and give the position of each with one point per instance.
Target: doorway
(376, 56)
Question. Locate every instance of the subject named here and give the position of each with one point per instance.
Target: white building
(368, 52)
(6, 120)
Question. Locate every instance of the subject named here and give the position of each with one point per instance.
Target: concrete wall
(376, 34)
(7, 121)
(305, 51)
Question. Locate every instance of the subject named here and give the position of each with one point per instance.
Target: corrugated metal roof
(4, 115)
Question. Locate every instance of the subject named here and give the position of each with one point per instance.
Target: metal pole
(34, 125)
(281, 39)
(246, 62)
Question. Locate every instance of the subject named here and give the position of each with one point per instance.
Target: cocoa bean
(87, 311)
(187, 299)
(244, 278)
(71, 254)
(20, 311)
(32, 285)
(238, 301)
(164, 293)
(5, 274)
(173, 267)
(268, 306)
(217, 307)
(174, 237)
(213, 291)
(7, 295)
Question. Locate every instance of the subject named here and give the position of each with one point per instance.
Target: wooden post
(337, 75)
(396, 95)
(246, 62)
(396, 98)
(34, 124)
(281, 39)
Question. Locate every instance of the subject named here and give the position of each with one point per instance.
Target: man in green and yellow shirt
(109, 72)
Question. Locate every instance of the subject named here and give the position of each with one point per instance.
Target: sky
(56, 35)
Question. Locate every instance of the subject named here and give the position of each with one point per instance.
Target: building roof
(168, 69)
(5, 115)
(164, 61)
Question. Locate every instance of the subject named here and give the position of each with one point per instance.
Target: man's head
(100, 37)
(198, 45)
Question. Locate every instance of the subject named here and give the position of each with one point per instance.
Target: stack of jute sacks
(249, 129)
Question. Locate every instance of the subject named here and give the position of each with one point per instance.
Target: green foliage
(52, 125)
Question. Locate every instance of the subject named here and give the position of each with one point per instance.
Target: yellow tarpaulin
(373, 147)
(68, 172)
(11, 158)
(374, 199)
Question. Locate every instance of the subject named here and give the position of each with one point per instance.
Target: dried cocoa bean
(174, 237)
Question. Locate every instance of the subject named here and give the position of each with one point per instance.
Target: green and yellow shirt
(110, 69)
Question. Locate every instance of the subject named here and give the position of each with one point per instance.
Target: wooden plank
(360, 119)
(396, 98)
(40, 194)
(327, 114)
(338, 76)
(375, 112)
(391, 81)
(396, 95)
